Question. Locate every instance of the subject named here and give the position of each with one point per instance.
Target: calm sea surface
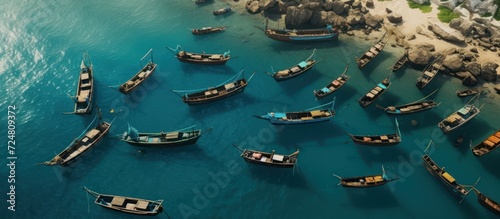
(40, 52)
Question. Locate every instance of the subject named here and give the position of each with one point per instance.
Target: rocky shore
(470, 43)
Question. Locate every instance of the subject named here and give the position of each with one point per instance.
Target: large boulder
(480, 30)
(373, 21)
(421, 54)
(322, 18)
(470, 80)
(315, 6)
(328, 5)
(474, 68)
(447, 33)
(252, 7)
(266, 4)
(356, 4)
(462, 25)
(370, 4)
(347, 2)
(454, 62)
(489, 71)
(355, 18)
(420, 1)
(463, 12)
(338, 7)
(395, 18)
(297, 16)
(497, 88)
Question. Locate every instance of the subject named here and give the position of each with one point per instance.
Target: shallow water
(39, 67)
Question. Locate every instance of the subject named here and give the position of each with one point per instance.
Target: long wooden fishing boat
(413, 107)
(127, 204)
(200, 58)
(141, 76)
(376, 92)
(378, 140)
(82, 144)
(488, 145)
(234, 85)
(401, 61)
(430, 72)
(461, 116)
(334, 85)
(296, 69)
(84, 97)
(444, 177)
(365, 181)
(207, 30)
(302, 35)
(161, 139)
(488, 203)
(312, 115)
(372, 53)
(469, 92)
(269, 159)
(222, 11)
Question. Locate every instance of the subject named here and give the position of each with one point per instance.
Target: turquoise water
(40, 55)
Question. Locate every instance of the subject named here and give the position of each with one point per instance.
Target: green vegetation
(425, 8)
(446, 15)
(487, 14)
(497, 14)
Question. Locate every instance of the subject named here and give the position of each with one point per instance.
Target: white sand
(413, 18)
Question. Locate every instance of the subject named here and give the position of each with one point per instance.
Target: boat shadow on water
(369, 198)
(280, 176)
(314, 134)
(188, 68)
(295, 85)
(84, 165)
(490, 163)
(221, 106)
(373, 156)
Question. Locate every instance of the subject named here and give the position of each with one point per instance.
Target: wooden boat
(202, 1)
(487, 145)
(207, 30)
(334, 86)
(401, 61)
(161, 139)
(444, 177)
(487, 202)
(223, 11)
(295, 70)
(378, 140)
(269, 159)
(413, 107)
(365, 181)
(84, 97)
(312, 115)
(200, 58)
(460, 117)
(86, 141)
(372, 53)
(430, 72)
(234, 85)
(468, 92)
(376, 92)
(127, 204)
(302, 35)
(141, 76)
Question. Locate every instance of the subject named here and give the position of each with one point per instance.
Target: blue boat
(376, 92)
(333, 86)
(302, 35)
(312, 115)
(295, 70)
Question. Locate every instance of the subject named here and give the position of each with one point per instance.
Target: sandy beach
(414, 19)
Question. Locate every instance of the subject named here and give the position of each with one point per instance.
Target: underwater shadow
(490, 163)
(223, 105)
(189, 68)
(279, 176)
(314, 133)
(370, 198)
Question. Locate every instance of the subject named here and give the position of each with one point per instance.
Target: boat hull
(281, 122)
(205, 101)
(278, 165)
(437, 173)
(201, 62)
(164, 144)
